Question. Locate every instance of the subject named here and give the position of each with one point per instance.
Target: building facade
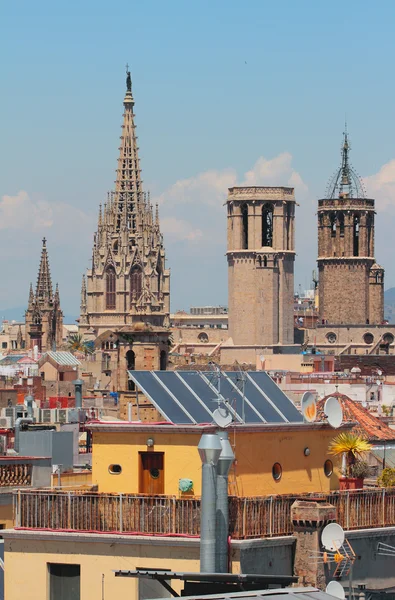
(351, 284)
(44, 317)
(128, 281)
(261, 255)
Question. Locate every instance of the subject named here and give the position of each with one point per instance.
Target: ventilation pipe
(222, 522)
(130, 412)
(78, 383)
(29, 405)
(17, 427)
(209, 449)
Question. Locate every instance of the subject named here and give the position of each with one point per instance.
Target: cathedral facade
(128, 282)
(44, 317)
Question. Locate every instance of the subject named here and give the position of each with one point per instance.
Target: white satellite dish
(222, 417)
(309, 407)
(334, 588)
(333, 412)
(332, 537)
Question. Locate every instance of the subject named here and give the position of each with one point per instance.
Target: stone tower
(43, 317)
(128, 281)
(261, 254)
(351, 284)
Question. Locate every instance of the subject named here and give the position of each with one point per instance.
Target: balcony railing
(265, 516)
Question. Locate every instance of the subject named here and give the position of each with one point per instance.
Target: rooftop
(61, 358)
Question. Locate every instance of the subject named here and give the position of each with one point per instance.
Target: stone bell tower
(351, 284)
(261, 255)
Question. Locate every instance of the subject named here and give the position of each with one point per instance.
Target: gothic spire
(44, 290)
(128, 184)
(31, 296)
(83, 296)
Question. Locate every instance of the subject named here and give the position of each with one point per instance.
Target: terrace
(253, 517)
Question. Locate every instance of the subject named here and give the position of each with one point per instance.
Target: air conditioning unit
(62, 415)
(46, 415)
(6, 422)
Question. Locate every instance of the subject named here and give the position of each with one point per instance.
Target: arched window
(136, 284)
(369, 226)
(267, 225)
(333, 224)
(130, 366)
(163, 360)
(244, 219)
(356, 236)
(265, 261)
(111, 289)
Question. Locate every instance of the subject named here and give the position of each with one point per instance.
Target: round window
(388, 338)
(328, 468)
(115, 469)
(154, 473)
(331, 337)
(277, 471)
(203, 337)
(368, 338)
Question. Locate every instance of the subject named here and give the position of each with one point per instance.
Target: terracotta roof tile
(367, 425)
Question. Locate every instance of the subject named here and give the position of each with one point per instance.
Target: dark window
(136, 284)
(265, 261)
(111, 289)
(277, 471)
(267, 225)
(61, 376)
(4, 344)
(340, 218)
(368, 338)
(64, 582)
(163, 360)
(356, 236)
(115, 469)
(131, 365)
(333, 224)
(288, 225)
(244, 218)
(369, 227)
(328, 468)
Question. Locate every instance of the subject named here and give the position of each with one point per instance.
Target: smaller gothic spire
(100, 216)
(156, 214)
(57, 296)
(31, 296)
(83, 293)
(44, 290)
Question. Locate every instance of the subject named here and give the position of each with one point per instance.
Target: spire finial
(44, 242)
(128, 79)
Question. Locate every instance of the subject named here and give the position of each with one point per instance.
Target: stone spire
(31, 296)
(128, 184)
(83, 305)
(44, 290)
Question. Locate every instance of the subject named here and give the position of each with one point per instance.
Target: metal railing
(265, 516)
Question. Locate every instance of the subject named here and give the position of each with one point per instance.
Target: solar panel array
(190, 397)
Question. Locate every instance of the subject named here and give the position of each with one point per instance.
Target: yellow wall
(26, 565)
(256, 452)
(73, 479)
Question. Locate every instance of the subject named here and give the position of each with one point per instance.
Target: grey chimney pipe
(78, 383)
(222, 523)
(17, 427)
(29, 405)
(209, 450)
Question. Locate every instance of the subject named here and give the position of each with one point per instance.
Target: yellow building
(284, 458)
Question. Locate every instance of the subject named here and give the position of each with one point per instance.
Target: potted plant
(351, 448)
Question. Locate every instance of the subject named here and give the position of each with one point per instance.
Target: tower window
(136, 284)
(333, 224)
(244, 233)
(341, 224)
(111, 291)
(356, 236)
(369, 227)
(267, 225)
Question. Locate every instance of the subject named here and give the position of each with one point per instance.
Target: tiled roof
(62, 358)
(367, 425)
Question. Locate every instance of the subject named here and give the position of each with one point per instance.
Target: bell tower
(351, 284)
(261, 255)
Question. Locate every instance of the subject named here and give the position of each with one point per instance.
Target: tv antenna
(333, 412)
(222, 416)
(309, 407)
(385, 549)
(240, 384)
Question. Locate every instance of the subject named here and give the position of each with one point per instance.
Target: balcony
(265, 516)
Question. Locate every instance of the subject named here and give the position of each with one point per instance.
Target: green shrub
(387, 478)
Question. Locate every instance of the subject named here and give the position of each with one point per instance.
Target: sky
(226, 93)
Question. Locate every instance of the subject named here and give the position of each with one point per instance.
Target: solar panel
(160, 398)
(277, 396)
(177, 387)
(258, 400)
(235, 399)
(199, 385)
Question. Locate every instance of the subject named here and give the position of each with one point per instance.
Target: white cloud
(381, 186)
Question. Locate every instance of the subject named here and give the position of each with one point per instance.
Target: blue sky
(226, 92)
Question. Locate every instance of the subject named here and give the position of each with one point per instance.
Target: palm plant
(351, 446)
(76, 343)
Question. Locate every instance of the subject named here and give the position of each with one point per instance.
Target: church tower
(128, 281)
(351, 284)
(261, 255)
(43, 317)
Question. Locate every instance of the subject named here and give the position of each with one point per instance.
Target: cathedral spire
(31, 296)
(44, 290)
(128, 184)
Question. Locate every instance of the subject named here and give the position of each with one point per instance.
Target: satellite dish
(332, 537)
(334, 588)
(309, 407)
(334, 412)
(222, 417)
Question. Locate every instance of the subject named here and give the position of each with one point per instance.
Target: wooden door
(152, 480)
